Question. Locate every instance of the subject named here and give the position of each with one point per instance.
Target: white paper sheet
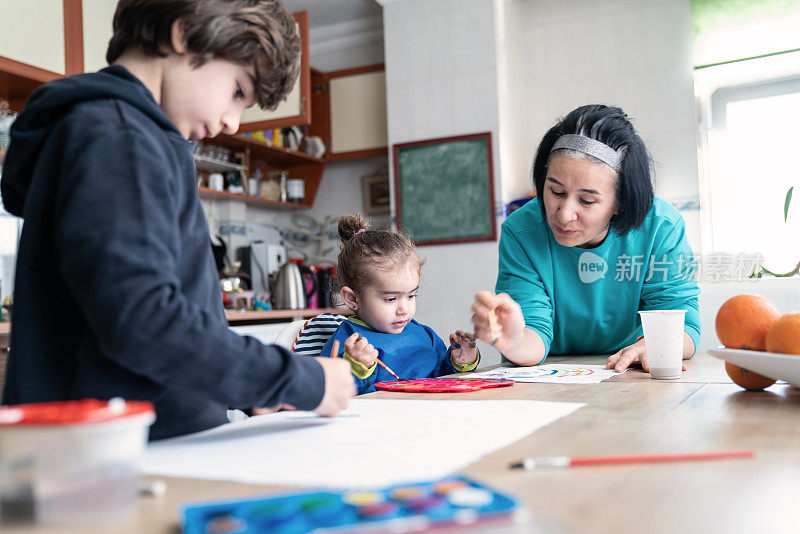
(374, 443)
(556, 373)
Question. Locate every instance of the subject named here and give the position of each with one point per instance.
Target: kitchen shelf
(248, 316)
(18, 81)
(275, 159)
(204, 163)
(276, 156)
(205, 192)
(245, 316)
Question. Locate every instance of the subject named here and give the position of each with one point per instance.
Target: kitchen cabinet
(82, 29)
(23, 26)
(296, 109)
(349, 108)
(98, 17)
(39, 42)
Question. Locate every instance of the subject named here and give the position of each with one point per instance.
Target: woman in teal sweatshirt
(579, 261)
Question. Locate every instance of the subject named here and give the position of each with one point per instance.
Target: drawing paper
(380, 442)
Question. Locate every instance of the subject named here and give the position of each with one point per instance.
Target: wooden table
(630, 413)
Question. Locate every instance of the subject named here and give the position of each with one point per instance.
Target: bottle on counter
(284, 190)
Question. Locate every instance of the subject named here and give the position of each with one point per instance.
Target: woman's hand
(463, 350)
(360, 350)
(510, 324)
(631, 354)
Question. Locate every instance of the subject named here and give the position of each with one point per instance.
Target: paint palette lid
(442, 385)
(87, 411)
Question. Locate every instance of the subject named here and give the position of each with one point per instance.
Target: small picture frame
(375, 193)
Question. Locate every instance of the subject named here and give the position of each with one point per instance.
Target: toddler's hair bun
(349, 225)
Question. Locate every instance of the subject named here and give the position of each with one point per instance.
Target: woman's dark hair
(610, 126)
(260, 33)
(364, 250)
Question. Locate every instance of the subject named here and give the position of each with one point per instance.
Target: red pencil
(335, 348)
(567, 461)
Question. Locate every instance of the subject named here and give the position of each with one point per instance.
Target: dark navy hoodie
(116, 289)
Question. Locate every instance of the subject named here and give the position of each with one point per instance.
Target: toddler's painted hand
(463, 348)
(360, 350)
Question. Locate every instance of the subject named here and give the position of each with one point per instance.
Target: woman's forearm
(688, 346)
(529, 350)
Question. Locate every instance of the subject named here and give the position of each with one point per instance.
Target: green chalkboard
(445, 190)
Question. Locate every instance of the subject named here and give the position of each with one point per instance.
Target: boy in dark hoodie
(116, 291)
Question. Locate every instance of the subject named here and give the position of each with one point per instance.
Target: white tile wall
(636, 55)
(441, 81)
(444, 78)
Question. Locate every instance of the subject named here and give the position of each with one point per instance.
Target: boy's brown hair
(260, 33)
(363, 250)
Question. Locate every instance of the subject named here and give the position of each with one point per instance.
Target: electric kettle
(290, 291)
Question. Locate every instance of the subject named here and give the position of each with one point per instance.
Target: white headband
(591, 147)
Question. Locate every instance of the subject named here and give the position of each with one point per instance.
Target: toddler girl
(379, 280)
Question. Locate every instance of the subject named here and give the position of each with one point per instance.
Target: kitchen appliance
(324, 288)
(290, 292)
(310, 279)
(260, 260)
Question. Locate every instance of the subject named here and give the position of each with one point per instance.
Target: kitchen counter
(245, 317)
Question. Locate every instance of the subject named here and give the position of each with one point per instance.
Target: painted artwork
(550, 373)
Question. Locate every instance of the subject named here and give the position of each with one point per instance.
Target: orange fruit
(784, 335)
(747, 379)
(742, 321)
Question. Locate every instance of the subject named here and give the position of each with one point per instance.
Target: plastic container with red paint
(71, 461)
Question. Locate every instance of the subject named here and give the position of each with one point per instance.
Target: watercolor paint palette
(451, 503)
(442, 385)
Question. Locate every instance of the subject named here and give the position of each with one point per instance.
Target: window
(750, 138)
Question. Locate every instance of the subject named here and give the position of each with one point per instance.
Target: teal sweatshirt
(585, 301)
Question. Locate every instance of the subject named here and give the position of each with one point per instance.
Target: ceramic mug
(216, 181)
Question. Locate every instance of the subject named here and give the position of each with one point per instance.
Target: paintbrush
(493, 326)
(387, 368)
(360, 337)
(566, 461)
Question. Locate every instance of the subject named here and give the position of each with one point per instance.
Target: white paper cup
(663, 339)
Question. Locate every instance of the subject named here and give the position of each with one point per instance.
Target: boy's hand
(278, 408)
(339, 386)
(360, 350)
(463, 349)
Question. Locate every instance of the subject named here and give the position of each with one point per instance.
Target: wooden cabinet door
(98, 17)
(350, 112)
(32, 33)
(358, 111)
(296, 109)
